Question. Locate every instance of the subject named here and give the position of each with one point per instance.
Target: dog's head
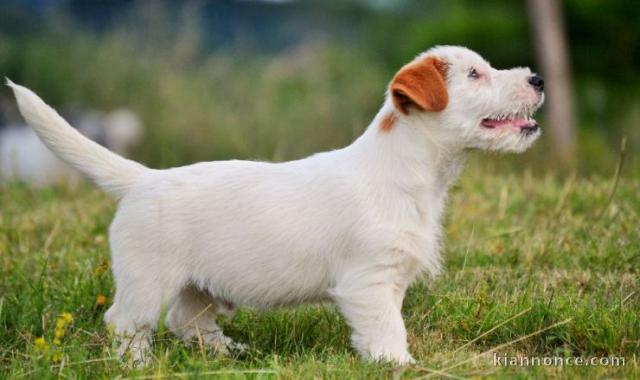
(467, 103)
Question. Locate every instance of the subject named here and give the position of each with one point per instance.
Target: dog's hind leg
(193, 316)
(134, 314)
(133, 332)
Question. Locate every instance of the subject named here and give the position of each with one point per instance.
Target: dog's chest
(422, 229)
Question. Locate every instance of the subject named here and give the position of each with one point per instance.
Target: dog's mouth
(520, 123)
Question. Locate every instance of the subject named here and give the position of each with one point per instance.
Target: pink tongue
(515, 123)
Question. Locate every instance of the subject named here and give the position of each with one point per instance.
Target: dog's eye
(473, 73)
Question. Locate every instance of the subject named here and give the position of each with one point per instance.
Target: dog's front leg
(372, 310)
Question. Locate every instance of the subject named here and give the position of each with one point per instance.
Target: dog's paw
(236, 347)
(399, 358)
(135, 351)
(220, 343)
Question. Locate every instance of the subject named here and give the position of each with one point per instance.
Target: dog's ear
(421, 84)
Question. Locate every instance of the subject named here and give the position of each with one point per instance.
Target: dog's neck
(402, 156)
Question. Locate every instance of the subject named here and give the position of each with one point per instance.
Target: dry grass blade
(489, 331)
(51, 236)
(616, 178)
(433, 371)
(501, 346)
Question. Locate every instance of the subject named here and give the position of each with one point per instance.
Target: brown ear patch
(421, 84)
(388, 121)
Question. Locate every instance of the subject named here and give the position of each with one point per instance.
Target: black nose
(537, 82)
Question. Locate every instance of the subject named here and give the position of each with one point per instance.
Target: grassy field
(536, 266)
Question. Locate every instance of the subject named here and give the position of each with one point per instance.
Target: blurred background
(279, 80)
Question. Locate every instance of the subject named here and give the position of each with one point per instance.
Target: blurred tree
(551, 46)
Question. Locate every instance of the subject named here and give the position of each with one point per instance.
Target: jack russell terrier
(355, 225)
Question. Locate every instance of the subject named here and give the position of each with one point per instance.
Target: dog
(355, 226)
(23, 157)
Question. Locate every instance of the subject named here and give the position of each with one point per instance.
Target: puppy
(355, 225)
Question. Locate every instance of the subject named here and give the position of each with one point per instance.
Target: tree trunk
(547, 27)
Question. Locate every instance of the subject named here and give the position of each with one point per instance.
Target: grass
(535, 267)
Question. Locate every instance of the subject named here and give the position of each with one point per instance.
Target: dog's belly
(259, 268)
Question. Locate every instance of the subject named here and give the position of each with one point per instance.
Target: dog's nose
(537, 82)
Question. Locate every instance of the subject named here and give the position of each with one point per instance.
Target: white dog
(356, 225)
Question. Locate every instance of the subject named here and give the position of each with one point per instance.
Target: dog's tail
(111, 172)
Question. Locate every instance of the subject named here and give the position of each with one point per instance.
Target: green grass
(523, 253)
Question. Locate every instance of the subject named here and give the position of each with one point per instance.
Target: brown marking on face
(421, 84)
(388, 121)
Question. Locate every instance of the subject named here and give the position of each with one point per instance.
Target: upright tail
(111, 172)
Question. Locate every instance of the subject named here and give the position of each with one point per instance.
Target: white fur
(355, 225)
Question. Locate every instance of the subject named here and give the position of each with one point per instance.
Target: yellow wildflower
(61, 327)
(60, 324)
(57, 357)
(67, 317)
(100, 269)
(101, 300)
(41, 344)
